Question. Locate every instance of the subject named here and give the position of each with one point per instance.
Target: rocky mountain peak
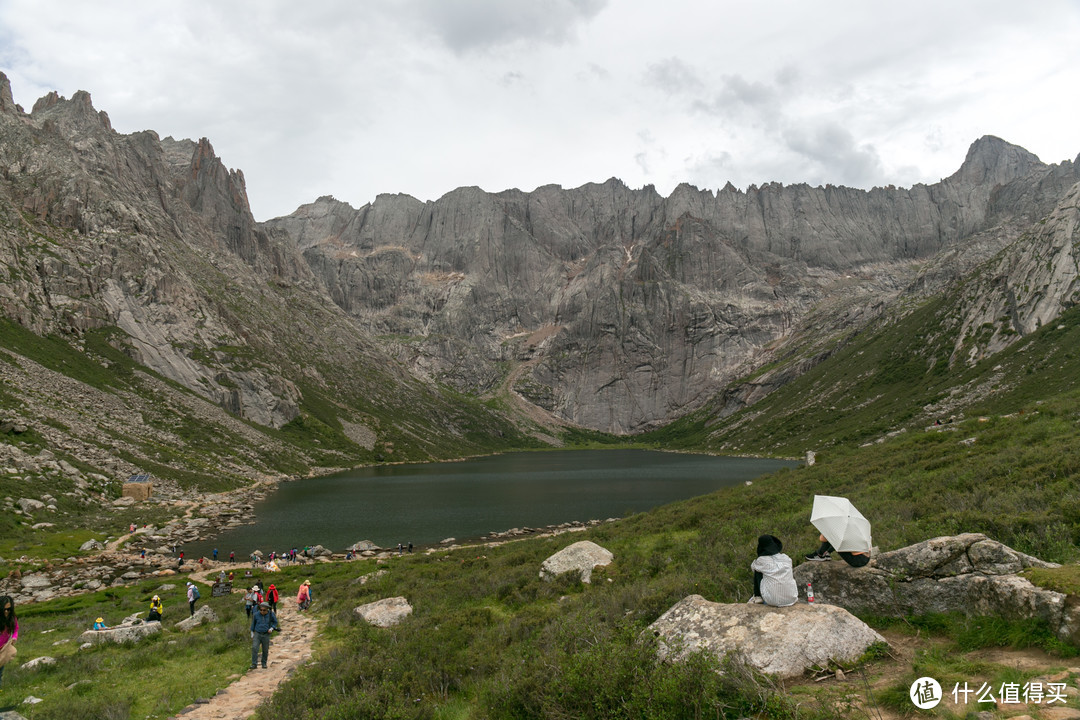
(992, 161)
(7, 101)
(76, 114)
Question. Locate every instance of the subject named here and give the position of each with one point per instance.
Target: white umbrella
(842, 525)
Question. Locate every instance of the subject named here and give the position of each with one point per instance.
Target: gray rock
(35, 580)
(963, 573)
(363, 546)
(90, 545)
(121, 633)
(319, 551)
(38, 662)
(779, 641)
(365, 579)
(205, 614)
(386, 612)
(581, 557)
(29, 505)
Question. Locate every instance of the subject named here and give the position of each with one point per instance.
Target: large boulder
(385, 612)
(363, 546)
(132, 633)
(581, 557)
(35, 581)
(779, 641)
(30, 506)
(965, 573)
(39, 662)
(205, 614)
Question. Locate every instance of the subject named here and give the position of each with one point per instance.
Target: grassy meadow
(489, 639)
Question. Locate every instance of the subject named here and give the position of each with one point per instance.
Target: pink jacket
(5, 636)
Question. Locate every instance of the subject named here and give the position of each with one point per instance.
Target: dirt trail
(288, 650)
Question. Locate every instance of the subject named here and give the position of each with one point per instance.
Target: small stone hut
(137, 486)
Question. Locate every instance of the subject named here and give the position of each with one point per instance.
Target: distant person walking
(232, 556)
(215, 554)
(9, 632)
(192, 596)
(263, 623)
(303, 596)
(272, 597)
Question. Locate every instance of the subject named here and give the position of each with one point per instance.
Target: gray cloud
(356, 99)
(834, 155)
(742, 100)
(465, 25)
(673, 77)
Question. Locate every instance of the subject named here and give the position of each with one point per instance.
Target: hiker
(232, 556)
(303, 596)
(142, 555)
(157, 609)
(774, 583)
(272, 597)
(99, 624)
(250, 601)
(215, 554)
(855, 558)
(263, 623)
(9, 632)
(192, 596)
(410, 546)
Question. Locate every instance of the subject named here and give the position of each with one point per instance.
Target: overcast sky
(352, 98)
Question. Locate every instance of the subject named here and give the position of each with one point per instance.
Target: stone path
(288, 650)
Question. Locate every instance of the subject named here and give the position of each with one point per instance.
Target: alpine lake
(427, 503)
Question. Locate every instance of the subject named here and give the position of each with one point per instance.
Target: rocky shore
(198, 517)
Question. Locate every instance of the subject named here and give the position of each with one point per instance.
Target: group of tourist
(260, 606)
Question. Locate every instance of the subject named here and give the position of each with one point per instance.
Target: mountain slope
(137, 260)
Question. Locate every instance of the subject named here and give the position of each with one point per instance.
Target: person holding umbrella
(843, 529)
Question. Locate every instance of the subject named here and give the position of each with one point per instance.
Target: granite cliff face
(620, 309)
(602, 306)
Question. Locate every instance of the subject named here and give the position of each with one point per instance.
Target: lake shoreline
(611, 469)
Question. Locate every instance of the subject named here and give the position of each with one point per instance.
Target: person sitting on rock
(774, 583)
(157, 609)
(854, 558)
(99, 624)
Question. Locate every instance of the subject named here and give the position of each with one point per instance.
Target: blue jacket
(263, 623)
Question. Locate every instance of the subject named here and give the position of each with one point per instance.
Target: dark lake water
(426, 503)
